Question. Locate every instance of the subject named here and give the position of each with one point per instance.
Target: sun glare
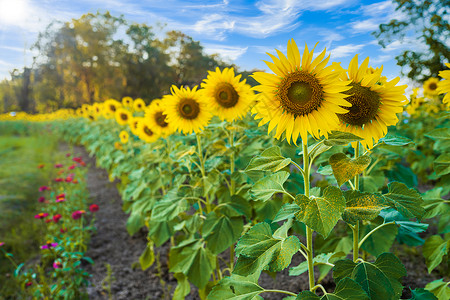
(12, 11)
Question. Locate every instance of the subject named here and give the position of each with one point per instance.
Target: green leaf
(338, 138)
(407, 201)
(183, 287)
(381, 240)
(134, 223)
(439, 133)
(160, 232)
(408, 230)
(434, 250)
(169, 207)
(147, 258)
(442, 164)
(238, 206)
(307, 295)
(321, 213)
(434, 204)
(193, 260)
(269, 160)
(439, 288)
(362, 206)
(235, 288)
(395, 140)
(380, 280)
(321, 259)
(263, 189)
(421, 294)
(259, 250)
(347, 289)
(287, 211)
(221, 232)
(345, 168)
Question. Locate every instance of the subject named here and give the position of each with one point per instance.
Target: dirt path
(112, 245)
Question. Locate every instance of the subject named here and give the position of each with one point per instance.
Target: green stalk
(355, 229)
(202, 170)
(309, 231)
(232, 158)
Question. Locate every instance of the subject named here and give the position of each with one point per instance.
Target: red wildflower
(93, 207)
(41, 166)
(56, 218)
(68, 155)
(58, 166)
(59, 179)
(41, 199)
(63, 230)
(48, 220)
(63, 195)
(77, 159)
(77, 214)
(72, 167)
(44, 188)
(41, 215)
(57, 264)
(75, 181)
(28, 284)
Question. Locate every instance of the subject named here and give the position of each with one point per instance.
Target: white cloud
(228, 52)
(4, 63)
(345, 50)
(381, 59)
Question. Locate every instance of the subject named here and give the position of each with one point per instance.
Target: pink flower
(58, 166)
(2, 243)
(41, 215)
(63, 230)
(93, 207)
(60, 200)
(44, 188)
(77, 214)
(59, 179)
(49, 245)
(63, 195)
(28, 284)
(56, 218)
(69, 179)
(57, 264)
(41, 199)
(77, 159)
(68, 155)
(72, 167)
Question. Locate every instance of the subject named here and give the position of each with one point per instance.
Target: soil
(112, 245)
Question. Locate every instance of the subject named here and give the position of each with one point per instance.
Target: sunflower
(139, 104)
(124, 136)
(146, 132)
(111, 106)
(186, 110)
(97, 108)
(134, 124)
(127, 101)
(123, 116)
(431, 86)
(154, 114)
(229, 97)
(302, 96)
(444, 85)
(374, 105)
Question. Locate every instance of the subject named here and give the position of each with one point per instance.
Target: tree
(427, 22)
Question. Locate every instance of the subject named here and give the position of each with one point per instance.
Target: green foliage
(264, 188)
(237, 288)
(361, 206)
(321, 213)
(434, 250)
(345, 168)
(380, 279)
(407, 201)
(439, 288)
(347, 289)
(147, 258)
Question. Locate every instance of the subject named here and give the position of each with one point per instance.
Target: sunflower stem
(232, 162)
(309, 231)
(202, 170)
(355, 229)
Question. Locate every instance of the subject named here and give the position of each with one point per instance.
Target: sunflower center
(188, 108)
(300, 93)
(148, 131)
(365, 104)
(161, 119)
(124, 117)
(432, 86)
(226, 95)
(112, 107)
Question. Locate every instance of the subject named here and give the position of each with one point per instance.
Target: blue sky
(240, 31)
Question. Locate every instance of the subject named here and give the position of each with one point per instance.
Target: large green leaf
(321, 213)
(263, 189)
(407, 201)
(286, 211)
(221, 232)
(381, 240)
(193, 260)
(183, 287)
(439, 288)
(395, 140)
(235, 288)
(439, 133)
(339, 138)
(408, 230)
(346, 289)
(169, 207)
(362, 206)
(269, 160)
(380, 279)
(442, 164)
(259, 250)
(345, 168)
(160, 232)
(434, 250)
(421, 294)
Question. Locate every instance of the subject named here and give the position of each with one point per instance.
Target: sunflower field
(332, 175)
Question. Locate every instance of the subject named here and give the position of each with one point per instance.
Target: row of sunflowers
(235, 203)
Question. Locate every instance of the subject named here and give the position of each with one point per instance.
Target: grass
(20, 180)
